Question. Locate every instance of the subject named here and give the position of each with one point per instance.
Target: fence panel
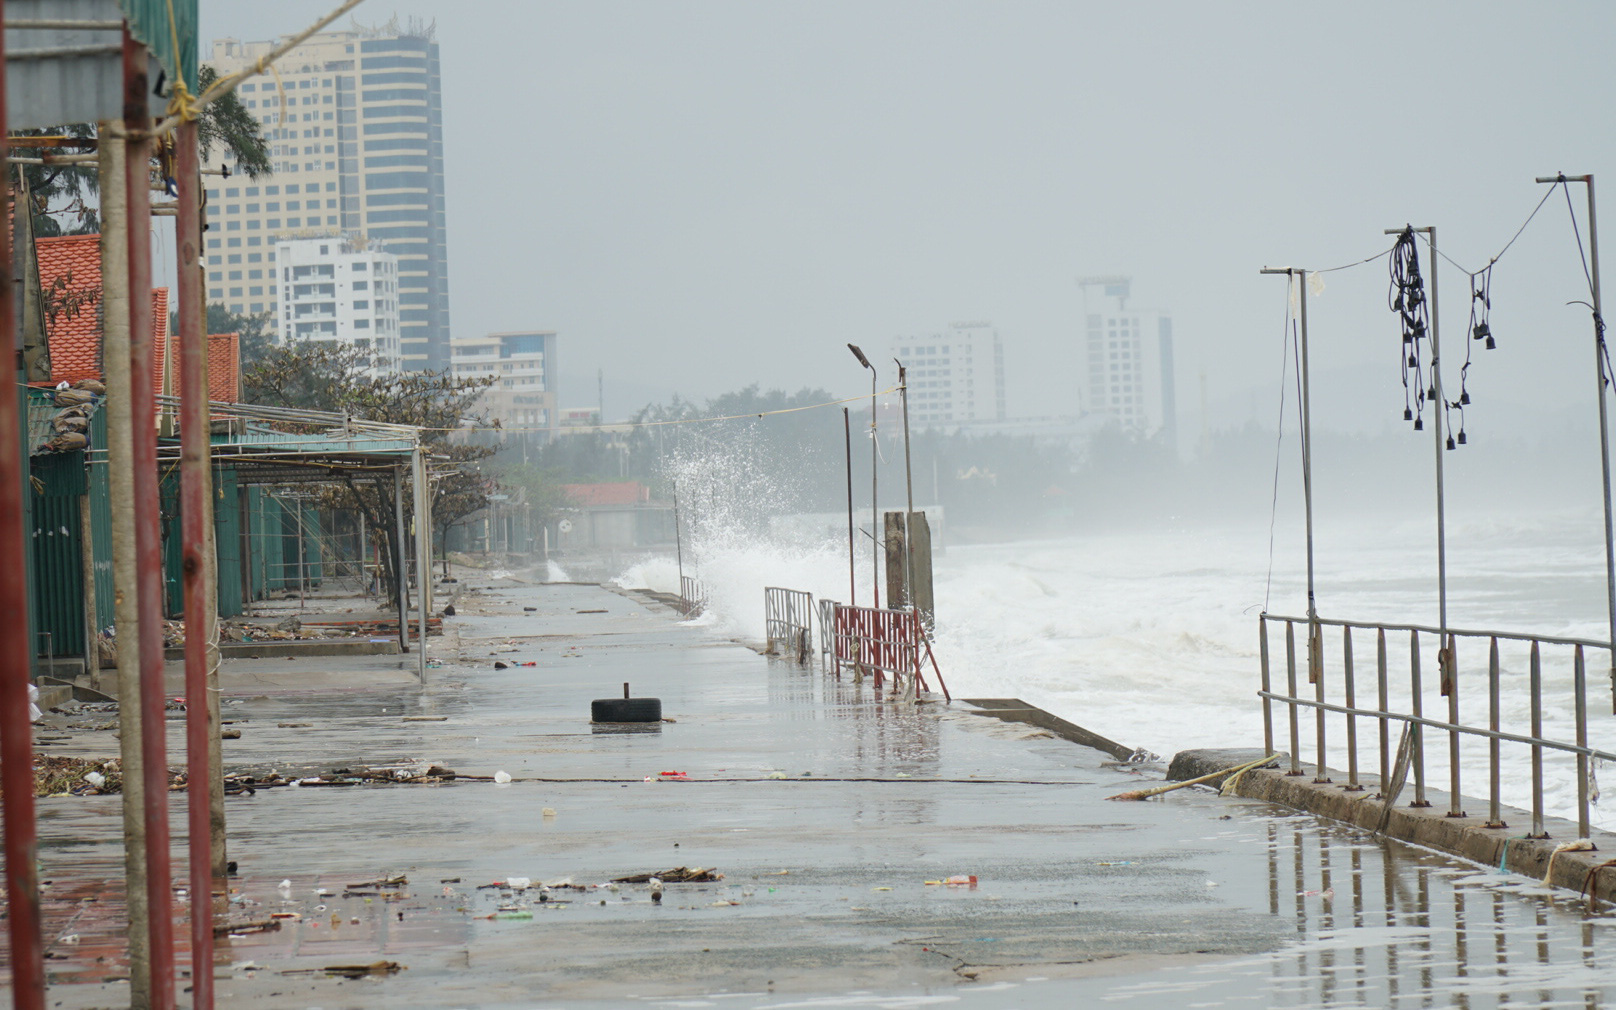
(883, 643)
(692, 596)
(788, 622)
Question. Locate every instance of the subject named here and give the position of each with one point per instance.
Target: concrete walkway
(827, 810)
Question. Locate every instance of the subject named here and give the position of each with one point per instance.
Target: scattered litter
(602, 610)
(678, 875)
(674, 775)
(398, 881)
(1119, 862)
(518, 883)
(71, 938)
(548, 813)
(426, 718)
(1576, 845)
(1327, 893)
(375, 968)
(957, 880)
(777, 775)
(502, 777)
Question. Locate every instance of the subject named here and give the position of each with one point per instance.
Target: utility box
(900, 593)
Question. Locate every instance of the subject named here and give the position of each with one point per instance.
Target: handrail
(1508, 636)
(1320, 674)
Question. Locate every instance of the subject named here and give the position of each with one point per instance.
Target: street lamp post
(875, 515)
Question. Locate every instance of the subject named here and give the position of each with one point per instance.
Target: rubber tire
(625, 710)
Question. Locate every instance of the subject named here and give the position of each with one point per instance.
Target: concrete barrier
(1430, 826)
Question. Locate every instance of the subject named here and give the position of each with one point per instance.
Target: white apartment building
(1130, 361)
(339, 291)
(956, 376)
(354, 121)
(523, 365)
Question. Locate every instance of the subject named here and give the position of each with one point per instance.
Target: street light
(875, 517)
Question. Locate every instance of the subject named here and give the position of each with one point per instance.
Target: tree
(339, 379)
(227, 123)
(65, 196)
(256, 339)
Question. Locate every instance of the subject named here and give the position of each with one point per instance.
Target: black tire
(626, 710)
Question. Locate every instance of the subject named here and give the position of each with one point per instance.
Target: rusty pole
(148, 539)
(196, 516)
(16, 734)
(852, 580)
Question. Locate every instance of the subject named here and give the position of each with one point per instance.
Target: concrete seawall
(1506, 848)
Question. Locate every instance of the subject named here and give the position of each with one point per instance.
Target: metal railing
(692, 596)
(827, 627)
(1409, 704)
(883, 643)
(788, 622)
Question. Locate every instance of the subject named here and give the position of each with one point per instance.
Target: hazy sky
(698, 196)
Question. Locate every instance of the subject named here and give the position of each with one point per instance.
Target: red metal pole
(195, 516)
(148, 535)
(16, 735)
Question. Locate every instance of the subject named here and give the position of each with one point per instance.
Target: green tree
(339, 379)
(256, 338)
(64, 196)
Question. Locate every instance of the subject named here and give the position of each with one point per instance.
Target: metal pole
(875, 513)
(423, 560)
(1604, 425)
(908, 492)
(196, 514)
(678, 542)
(1495, 817)
(148, 532)
(1298, 275)
(125, 576)
(16, 733)
(852, 580)
(1447, 668)
(401, 591)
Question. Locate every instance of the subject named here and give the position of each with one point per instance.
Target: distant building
(354, 124)
(340, 291)
(956, 376)
(523, 365)
(1130, 361)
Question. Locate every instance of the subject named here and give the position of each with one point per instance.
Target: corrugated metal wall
(58, 485)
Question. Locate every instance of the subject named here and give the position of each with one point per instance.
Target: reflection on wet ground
(828, 809)
(1389, 925)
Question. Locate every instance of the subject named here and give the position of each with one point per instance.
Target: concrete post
(126, 615)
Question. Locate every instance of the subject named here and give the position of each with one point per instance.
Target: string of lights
(1407, 298)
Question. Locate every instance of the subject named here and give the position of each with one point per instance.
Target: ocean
(1149, 636)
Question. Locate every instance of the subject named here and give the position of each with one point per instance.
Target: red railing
(884, 643)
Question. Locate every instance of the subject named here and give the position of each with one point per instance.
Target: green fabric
(149, 24)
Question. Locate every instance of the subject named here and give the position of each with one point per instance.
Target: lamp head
(860, 356)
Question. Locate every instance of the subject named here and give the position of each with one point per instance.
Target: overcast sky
(699, 196)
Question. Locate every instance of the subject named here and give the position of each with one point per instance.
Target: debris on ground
(374, 969)
(678, 875)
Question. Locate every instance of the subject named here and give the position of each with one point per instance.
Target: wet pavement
(827, 810)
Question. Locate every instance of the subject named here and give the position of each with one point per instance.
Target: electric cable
(1599, 320)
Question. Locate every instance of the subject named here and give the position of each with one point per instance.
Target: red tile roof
(624, 493)
(70, 280)
(224, 367)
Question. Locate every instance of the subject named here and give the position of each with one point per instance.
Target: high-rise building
(523, 366)
(359, 153)
(956, 376)
(339, 291)
(1130, 361)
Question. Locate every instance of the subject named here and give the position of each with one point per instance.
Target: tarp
(161, 24)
